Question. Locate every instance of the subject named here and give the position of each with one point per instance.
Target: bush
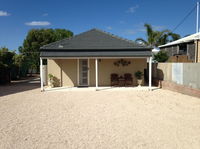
(161, 56)
(139, 75)
(4, 74)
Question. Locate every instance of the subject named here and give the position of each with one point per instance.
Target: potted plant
(51, 80)
(139, 75)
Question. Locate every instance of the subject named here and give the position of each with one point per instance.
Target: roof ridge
(68, 38)
(115, 36)
(53, 42)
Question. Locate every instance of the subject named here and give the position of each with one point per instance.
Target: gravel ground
(98, 120)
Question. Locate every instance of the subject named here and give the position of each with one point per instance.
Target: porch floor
(105, 88)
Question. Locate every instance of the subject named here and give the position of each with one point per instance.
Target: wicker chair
(128, 79)
(114, 79)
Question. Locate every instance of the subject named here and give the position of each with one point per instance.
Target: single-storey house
(186, 49)
(89, 59)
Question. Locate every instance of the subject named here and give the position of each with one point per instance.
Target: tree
(35, 39)
(6, 56)
(8, 69)
(161, 56)
(156, 38)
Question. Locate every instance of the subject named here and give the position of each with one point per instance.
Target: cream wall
(107, 67)
(92, 72)
(164, 71)
(66, 70)
(53, 67)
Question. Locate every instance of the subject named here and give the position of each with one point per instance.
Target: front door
(83, 72)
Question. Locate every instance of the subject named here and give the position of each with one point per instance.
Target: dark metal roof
(94, 43)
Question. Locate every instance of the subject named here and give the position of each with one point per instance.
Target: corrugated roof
(183, 40)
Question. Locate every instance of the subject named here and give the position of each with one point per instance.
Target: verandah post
(96, 72)
(41, 74)
(150, 73)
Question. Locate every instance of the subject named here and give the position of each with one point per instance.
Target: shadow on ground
(29, 83)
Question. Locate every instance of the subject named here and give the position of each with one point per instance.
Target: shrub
(138, 75)
(161, 56)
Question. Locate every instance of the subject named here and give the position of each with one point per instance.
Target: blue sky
(124, 18)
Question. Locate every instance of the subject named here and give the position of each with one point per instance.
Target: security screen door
(83, 72)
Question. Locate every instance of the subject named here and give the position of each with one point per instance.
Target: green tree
(35, 39)
(161, 56)
(6, 56)
(7, 63)
(156, 38)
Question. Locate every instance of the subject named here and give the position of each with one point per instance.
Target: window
(183, 49)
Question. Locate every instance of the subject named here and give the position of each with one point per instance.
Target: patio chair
(128, 79)
(114, 79)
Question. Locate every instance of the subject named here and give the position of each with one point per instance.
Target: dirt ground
(161, 119)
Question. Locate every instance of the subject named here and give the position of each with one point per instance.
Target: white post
(197, 25)
(96, 72)
(150, 72)
(41, 74)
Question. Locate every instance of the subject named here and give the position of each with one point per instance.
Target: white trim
(78, 72)
(41, 75)
(88, 72)
(150, 73)
(190, 38)
(96, 73)
(94, 57)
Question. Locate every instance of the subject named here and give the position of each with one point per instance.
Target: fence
(178, 76)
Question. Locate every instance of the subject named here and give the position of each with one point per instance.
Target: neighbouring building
(186, 49)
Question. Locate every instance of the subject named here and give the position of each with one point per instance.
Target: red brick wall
(180, 88)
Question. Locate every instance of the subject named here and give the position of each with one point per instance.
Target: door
(83, 72)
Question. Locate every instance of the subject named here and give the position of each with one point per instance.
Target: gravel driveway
(98, 120)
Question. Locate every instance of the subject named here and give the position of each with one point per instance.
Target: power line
(183, 20)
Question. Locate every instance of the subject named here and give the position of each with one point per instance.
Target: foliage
(138, 75)
(50, 76)
(6, 57)
(37, 38)
(156, 38)
(8, 69)
(13, 63)
(161, 56)
(54, 81)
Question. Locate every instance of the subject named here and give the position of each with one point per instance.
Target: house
(186, 49)
(89, 59)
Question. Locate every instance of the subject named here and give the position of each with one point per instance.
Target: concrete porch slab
(142, 88)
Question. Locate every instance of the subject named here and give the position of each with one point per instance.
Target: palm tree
(156, 38)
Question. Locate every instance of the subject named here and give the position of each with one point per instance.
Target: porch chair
(114, 79)
(128, 79)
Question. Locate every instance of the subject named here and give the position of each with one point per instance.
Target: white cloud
(4, 13)
(158, 27)
(122, 22)
(132, 9)
(140, 27)
(130, 32)
(45, 14)
(109, 27)
(38, 23)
